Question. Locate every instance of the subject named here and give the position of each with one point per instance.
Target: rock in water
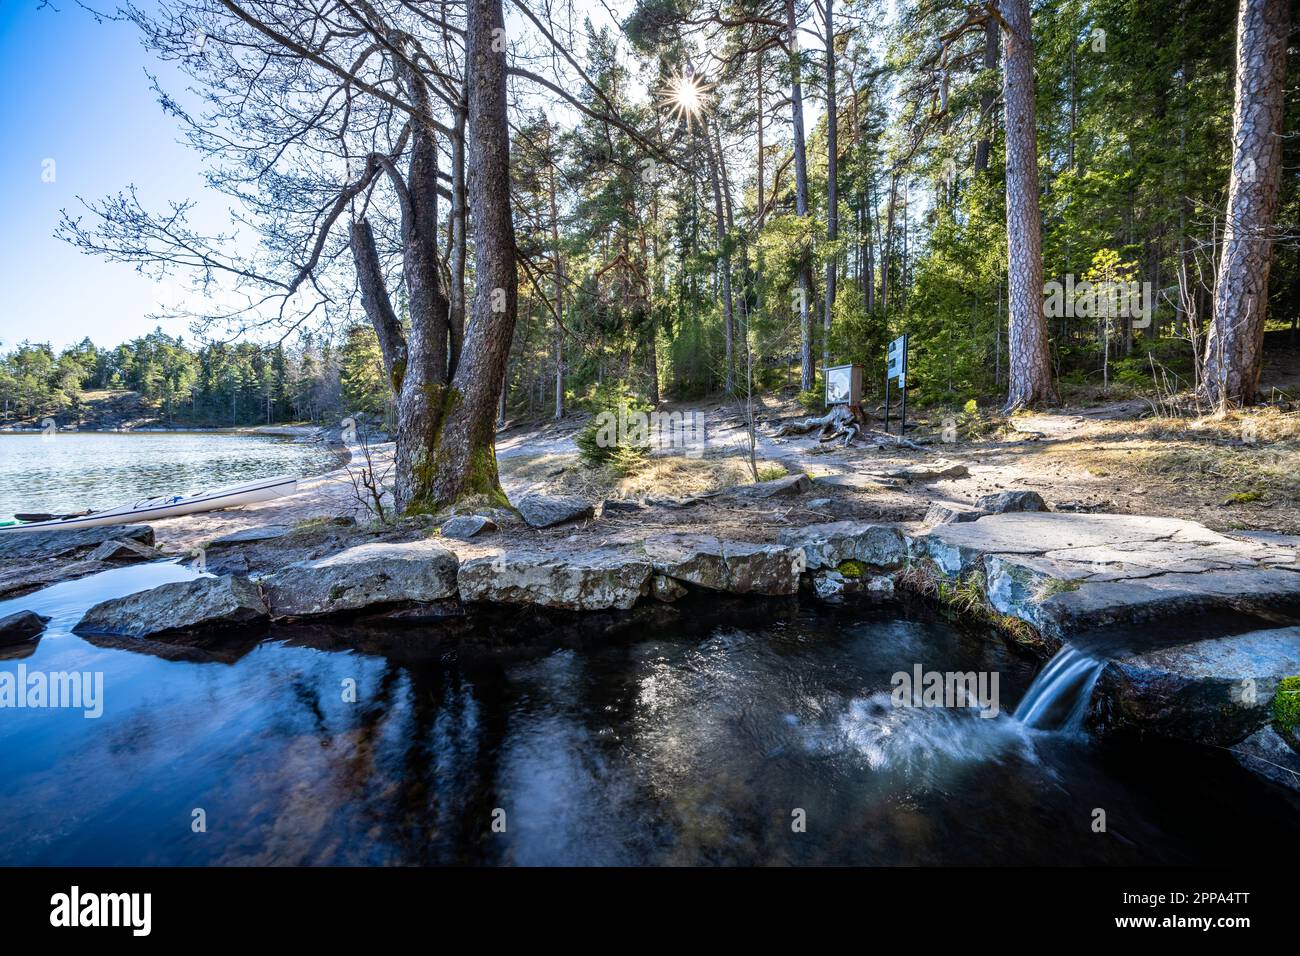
(1010, 501)
(543, 511)
(21, 627)
(586, 580)
(203, 603)
(830, 544)
(1216, 691)
(363, 576)
(61, 543)
(465, 527)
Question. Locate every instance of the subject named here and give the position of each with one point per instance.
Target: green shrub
(772, 472)
(606, 439)
(1286, 704)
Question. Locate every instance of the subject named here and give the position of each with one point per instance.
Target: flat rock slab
(31, 545)
(21, 627)
(588, 580)
(367, 575)
(930, 471)
(200, 604)
(545, 511)
(250, 536)
(737, 567)
(830, 544)
(777, 488)
(1216, 691)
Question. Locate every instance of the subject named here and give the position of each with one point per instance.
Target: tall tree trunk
(1029, 356)
(988, 98)
(806, 372)
(461, 460)
(832, 181)
(1234, 349)
(558, 278)
(456, 255)
(722, 262)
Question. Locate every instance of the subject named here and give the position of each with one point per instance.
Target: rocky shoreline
(1197, 628)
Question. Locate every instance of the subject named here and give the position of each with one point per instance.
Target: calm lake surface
(73, 471)
(689, 736)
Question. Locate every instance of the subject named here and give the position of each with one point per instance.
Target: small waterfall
(1058, 697)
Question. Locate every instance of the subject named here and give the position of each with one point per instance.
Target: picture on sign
(844, 385)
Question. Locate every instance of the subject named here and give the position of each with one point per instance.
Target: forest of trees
(210, 385)
(698, 196)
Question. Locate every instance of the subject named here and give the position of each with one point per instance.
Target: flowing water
(710, 732)
(1058, 698)
(73, 471)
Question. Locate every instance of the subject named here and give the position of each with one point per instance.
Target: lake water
(693, 735)
(69, 472)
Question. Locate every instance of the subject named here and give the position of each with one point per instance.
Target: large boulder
(21, 627)
(464, 527)
(950, 512)
(200, 604)
(738, 567)
(586, 580)
(544, 511)
(830, 544)
(64, 542)
(1005, 502)
(367, 575)
(1216, 691)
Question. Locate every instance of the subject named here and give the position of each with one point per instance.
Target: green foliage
(1286, 704)
(365, 386)
(606, 439)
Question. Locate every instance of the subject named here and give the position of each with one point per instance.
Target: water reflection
(690, 736)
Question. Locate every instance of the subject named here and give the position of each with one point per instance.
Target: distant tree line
(213, 383)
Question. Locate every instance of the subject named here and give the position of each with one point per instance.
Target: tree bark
(722, 262)
(832, 181)
(456, 257)
(557, 273)
(988, 97)
(1029, 355)
(806, 371)
(461, 460)
(1234, 348)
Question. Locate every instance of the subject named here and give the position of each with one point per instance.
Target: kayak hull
(155, 509)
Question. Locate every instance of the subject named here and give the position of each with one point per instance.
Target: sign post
(896, 367)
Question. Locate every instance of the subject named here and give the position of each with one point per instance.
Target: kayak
(167, 506)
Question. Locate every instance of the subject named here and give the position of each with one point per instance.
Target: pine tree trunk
(460, 461)
(987, 98)
(1234, 348)
(806, 372)
(722, 262)
(832, 184)
(1029, 356)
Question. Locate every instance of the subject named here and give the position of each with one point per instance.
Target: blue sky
(75, 91)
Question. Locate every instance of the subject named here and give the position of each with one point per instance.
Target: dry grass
(669, 476)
